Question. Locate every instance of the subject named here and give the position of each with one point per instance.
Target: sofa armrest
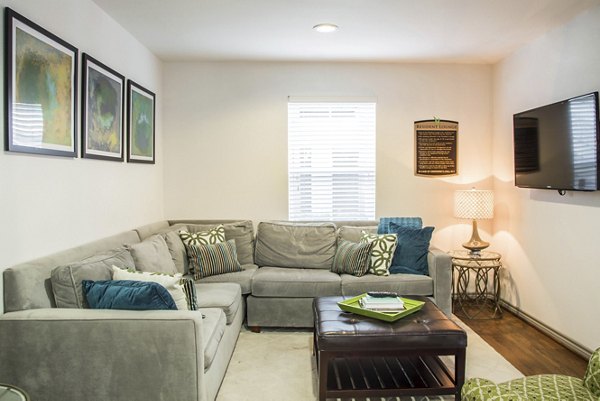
(69, 354)
(440, 270)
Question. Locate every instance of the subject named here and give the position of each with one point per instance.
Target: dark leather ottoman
(360, 357)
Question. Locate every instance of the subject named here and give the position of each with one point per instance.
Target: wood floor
(527, 348)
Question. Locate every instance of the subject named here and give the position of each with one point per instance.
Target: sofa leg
(254, 329)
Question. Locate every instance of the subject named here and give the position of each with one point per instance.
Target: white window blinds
(331, 160)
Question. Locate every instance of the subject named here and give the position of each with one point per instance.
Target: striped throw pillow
(210, 260)
(189, 288)
(352, 258)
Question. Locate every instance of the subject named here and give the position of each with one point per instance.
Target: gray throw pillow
(152, 255)
(66, 280)
(354, 233)
(297, 245)
(177, 250)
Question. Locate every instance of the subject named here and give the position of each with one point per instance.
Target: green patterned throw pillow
(214, 235)
(210, 260)
(352, 258)
(382, 252)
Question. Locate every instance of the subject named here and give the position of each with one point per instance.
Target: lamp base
(475, 244)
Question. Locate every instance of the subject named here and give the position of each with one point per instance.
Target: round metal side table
(484, 294)
(12, 393)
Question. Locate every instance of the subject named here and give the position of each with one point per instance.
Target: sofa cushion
(213, 259)
(301, 245)
(127, 295)
(148, 230)
(352, 258)
(66, 280)
(152, 255)
(240, 231)
(295, 283)
(354, 233)
(243, 278)
(171, 282)
(411, 252)
(224, 296)
(382, 252)
(384, 223)
(213, 328)
(403, 284)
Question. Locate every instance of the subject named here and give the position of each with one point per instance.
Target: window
(331, 160)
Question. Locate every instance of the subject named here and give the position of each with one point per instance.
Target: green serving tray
(352, 305)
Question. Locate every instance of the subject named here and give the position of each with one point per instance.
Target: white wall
(48, 204)
(226, 152)
(549, 242)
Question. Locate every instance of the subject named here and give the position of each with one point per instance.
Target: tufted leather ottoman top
(429, 328)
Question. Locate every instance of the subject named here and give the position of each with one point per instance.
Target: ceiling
(471, 31)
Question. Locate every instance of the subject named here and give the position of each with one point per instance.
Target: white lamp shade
(475, 204)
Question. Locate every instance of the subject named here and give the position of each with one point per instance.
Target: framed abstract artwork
(41, 89)
(140, 124)
(102, 111)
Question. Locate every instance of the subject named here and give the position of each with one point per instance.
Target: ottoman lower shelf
(388, 376)
(361, 357)
(350, 377)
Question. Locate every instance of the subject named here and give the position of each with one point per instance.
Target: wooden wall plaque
(436, 148)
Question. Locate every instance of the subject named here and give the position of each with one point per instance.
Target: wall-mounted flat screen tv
(556, 146)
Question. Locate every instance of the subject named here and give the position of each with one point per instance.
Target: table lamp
(475, 204)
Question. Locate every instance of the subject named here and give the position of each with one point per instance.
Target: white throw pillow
(170, 281)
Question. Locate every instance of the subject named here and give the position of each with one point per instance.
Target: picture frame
(41, 89)
(102, 111)
(141, 117)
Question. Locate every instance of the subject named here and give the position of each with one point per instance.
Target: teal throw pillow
(412, 249)
(352, 258)
(411, 222)
(127, 294)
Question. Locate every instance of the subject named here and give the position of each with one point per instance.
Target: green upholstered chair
(539, 387)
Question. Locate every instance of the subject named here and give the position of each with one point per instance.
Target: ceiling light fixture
(326, 28)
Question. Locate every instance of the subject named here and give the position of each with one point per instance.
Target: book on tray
(382, 304)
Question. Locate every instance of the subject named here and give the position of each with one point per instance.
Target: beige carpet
(278, 365)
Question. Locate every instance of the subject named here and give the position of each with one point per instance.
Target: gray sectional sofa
(73, 354)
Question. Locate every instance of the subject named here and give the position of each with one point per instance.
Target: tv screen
(556, 146)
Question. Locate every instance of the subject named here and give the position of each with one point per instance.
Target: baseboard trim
(549, 331)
